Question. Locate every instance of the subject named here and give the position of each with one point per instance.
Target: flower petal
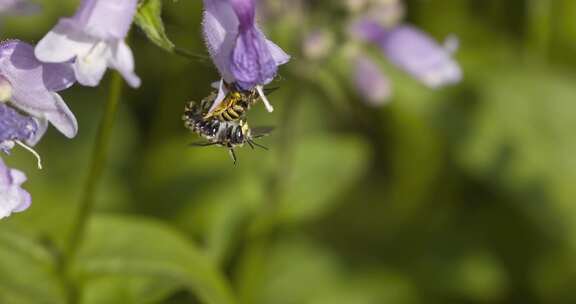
(279, 56)
(371, 82)
(252, 63)
(12, 197)
(42, 124)
(24, 198)
(20, 7)
(123, 60)
(63, 43)
(30, 82)
(245, 11)
(90, 69)
(220, 28)
(15, 126)
(106, 19)
(222, 92)
(419, 55)
(62, 118)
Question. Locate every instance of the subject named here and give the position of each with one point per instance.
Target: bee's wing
(258, 132)
(203, 143)
(268, 91)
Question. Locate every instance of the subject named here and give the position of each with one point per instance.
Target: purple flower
(31, 86)
(15, 127)
(17, 7)
(371, 82)
(413, 51)
(94, 39)
(419, 55)
(317, 44)
(238, 48)
(12, 197)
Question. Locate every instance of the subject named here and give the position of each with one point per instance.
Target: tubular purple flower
(412, 51)
(31, 86)
(419, 55)
(17, 7)
(317, 44)
(371, 82)
(94, 39)
(238, 48)
(12, 197)
(367, 30)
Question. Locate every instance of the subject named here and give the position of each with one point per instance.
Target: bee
(235, 104)
(228, 134)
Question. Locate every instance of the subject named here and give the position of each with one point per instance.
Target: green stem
(98, 162)
(189, 55)
(258, 238)
(539, 28)
(99, 155)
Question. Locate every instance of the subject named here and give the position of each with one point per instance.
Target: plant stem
(99, 156)
(87, 199)
(538, 28)
(263, 226)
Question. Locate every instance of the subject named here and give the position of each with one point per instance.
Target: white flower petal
(42, 124)
(90, 68)
(63, 119)
(279, 56)
(123, 60)
(62, 44)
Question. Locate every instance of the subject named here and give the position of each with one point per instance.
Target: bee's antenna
(251, 143)
(233, 155)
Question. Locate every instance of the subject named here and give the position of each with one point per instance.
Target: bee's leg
(251, 142)
(232, 154)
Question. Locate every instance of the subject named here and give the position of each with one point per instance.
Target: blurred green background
(459, 195)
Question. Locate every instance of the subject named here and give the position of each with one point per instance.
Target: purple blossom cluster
(77, 49)
(82, 47)
(378, 23)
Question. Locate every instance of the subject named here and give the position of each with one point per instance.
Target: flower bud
(317, 44)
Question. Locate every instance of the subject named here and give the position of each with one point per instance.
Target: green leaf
(127, 289)
(519, 136)
(149, 19)
(27, 271)
(301, 271)
(317, 160)
(116, 245)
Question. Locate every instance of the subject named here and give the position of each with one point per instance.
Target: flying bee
(228, 134)
(235, 104)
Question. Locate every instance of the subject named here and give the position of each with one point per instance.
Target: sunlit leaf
(321, 276)
(149, 19)
(323, 168)
(127, 289)
(134, 246)
(27, 271)
(519, 135)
